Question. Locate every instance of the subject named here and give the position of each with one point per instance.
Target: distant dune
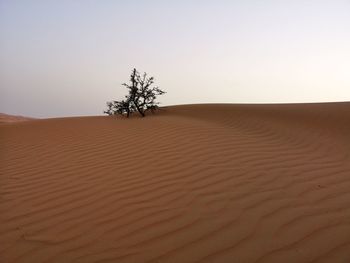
(192, 183)
(5, 118)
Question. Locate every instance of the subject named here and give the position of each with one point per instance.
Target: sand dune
(194, 183)
(5, 118)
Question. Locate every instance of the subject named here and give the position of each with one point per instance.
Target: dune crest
(192, 183)
(5, 118)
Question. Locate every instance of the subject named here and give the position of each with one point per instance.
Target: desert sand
(5, 118)
(192, 183)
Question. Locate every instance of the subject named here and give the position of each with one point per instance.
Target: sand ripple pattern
(194, 183)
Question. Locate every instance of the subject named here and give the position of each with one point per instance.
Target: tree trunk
(139, 110)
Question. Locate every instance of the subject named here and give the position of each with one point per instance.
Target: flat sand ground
(195, 183)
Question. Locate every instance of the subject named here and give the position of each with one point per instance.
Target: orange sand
(194, 183)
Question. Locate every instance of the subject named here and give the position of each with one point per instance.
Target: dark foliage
(141, 97)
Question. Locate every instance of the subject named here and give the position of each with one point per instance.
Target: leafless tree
(141, 98)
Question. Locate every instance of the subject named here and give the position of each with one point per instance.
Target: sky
(68, 57)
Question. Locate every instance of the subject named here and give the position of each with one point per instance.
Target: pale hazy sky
(65, 58)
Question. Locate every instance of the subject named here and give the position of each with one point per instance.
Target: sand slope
(195, 183)
(5, 118)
